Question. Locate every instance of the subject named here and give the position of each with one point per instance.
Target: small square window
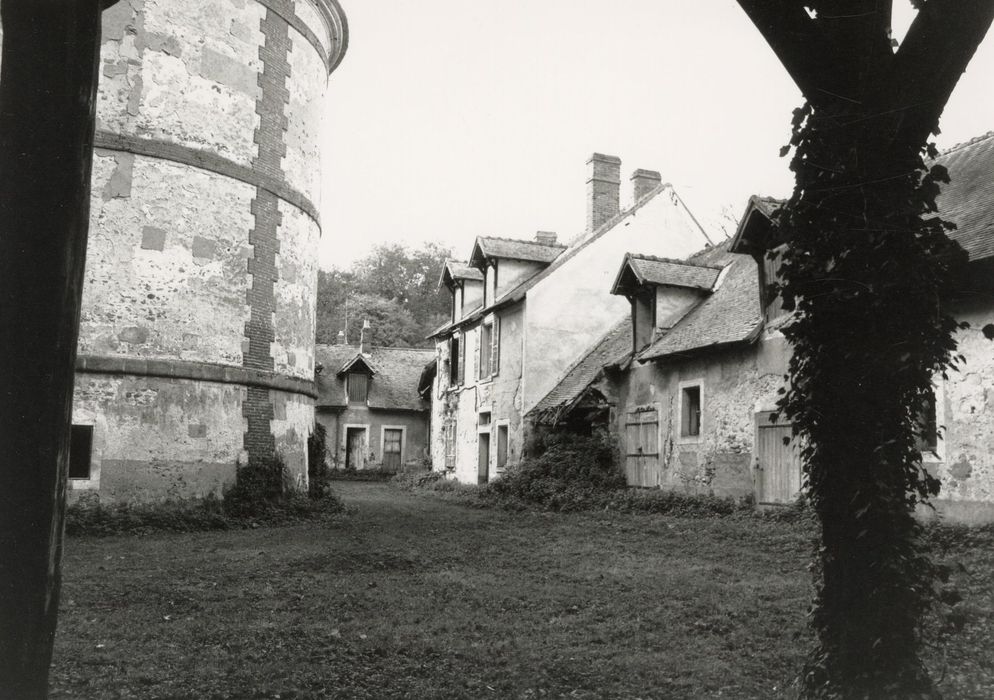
(690, 411)
(80, 451)
(485, 418)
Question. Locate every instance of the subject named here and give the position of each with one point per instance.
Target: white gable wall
(572, 308)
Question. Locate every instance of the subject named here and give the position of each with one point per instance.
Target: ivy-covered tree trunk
(867, 266)
(48, 81)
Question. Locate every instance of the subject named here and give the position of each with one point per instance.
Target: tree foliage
(394, 287)
(866, 265)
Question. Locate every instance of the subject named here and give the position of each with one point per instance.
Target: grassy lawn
(413, 596)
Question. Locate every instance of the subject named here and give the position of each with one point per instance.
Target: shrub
(565, 472)
(318, 473)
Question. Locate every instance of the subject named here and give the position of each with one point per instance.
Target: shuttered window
(486, 335)
(501, 447)
(358, 387)
(454, 362)
(449, 432)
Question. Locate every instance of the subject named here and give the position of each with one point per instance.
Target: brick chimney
(644, 182)
(603, 189)
(545, 237)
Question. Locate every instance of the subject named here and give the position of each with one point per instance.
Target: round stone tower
(196, 345)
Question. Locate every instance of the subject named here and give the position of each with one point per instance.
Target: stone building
(690, 387)
(196, 345)
(369, 402)
(524, 311)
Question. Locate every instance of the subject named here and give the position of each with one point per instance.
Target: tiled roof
(730, 315)
(968, 200)
(457, 270)
(677, 273)
(394, 386)
(493, 247)
(613, 348)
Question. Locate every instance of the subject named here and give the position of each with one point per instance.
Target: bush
(567, 472)
(261, 496)
(318, 477)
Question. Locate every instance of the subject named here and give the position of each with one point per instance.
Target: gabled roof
(730, 315)
(518, 293)
(968, 200)
(613, 348)
(648, 269)
(456, 270)
(513, 249)
(358, 363)
(394, 386)
(755, 225)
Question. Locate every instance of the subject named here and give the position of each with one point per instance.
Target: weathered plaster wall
(570, 309)
(203, 237)
(501, 396)
(415, 434)
(308, 78)
(965, 463)
(295, 293)
(158, 438)
(472, 295)
(510, 273)
(736, 382)
(183, 71)
(166, 262)
(293, 419)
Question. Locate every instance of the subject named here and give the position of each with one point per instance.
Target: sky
(450, 119)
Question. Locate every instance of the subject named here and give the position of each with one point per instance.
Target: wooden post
(48, 83)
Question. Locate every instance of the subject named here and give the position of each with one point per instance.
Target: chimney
(341, 337)
(603, 189)
(545, 237)
(362, 335)
(644, 182)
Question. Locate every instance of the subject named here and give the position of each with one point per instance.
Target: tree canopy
(394, 287)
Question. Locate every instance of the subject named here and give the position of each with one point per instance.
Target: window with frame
(486, 344)
(80, 451)
(928, 426)
(454, 363)
(449, 435)
(501, 447)
(357, 384)
(690, 411)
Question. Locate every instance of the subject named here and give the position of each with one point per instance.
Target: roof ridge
(372, 347)
(966, 144)
(686, 262)
(523, 240)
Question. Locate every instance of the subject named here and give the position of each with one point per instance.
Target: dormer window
(358, 387)
(770, 273)
(357, 373)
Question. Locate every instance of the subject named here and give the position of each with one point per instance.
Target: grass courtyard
(413, 596)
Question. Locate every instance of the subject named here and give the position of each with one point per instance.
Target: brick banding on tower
(270, 138)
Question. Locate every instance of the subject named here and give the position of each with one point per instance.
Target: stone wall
(201, 261)
(735, 383)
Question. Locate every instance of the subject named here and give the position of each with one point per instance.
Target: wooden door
(778, 466)
(392, 440)
(355, 448)
(642, 447)
(484, 464)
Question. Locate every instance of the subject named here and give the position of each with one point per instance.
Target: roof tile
(394, 386)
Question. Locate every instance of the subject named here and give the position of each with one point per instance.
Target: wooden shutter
(462, 358)
(642, 446)
(495, 347)
(778, 466)
(392, 440)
